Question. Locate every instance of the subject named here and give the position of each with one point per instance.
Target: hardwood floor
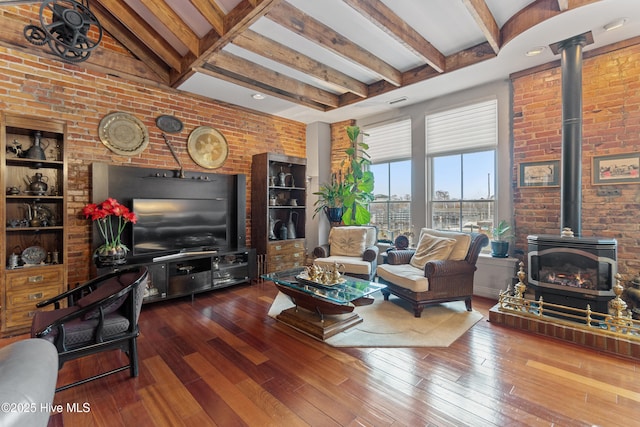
(221, 361)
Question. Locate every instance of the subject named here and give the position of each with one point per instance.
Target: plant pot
(499, 249)
(110, 258)
(334, 214)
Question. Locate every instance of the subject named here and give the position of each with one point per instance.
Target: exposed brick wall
(48, 88)
(339, 143)
(611, 118)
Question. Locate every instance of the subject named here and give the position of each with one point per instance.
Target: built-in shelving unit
(33, 228)
(278, 197)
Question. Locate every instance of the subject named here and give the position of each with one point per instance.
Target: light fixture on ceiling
(614, 25)
(257, 96)
(535, 51)
(398, 100)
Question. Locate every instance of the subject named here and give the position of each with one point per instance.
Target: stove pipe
(571, 178)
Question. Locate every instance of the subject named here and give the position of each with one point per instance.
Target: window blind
(462, 129)
(391, 141)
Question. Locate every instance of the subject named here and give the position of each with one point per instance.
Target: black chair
(101, 315)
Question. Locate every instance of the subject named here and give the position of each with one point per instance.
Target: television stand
(189, 273)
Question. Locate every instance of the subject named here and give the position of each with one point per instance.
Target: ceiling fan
(69, 27)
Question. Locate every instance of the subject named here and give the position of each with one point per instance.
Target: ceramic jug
(272, 227)
(291, 225)
(283, 233)
(36, 151)
(282, 179)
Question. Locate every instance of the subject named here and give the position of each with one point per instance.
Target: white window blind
(461, 129)
(391, 141)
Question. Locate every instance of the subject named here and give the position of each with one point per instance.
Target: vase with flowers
(111, 218)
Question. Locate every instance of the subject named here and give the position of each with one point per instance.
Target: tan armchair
(352, 246)
(440, 269)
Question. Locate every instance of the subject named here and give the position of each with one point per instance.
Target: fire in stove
(582, 280)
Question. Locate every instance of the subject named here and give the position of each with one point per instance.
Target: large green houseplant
(358, 180)
(349, 193)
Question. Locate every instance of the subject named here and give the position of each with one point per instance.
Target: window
(391, 209)
(461, 152)
(390, 151)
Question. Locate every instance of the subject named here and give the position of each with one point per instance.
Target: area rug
(392, 324)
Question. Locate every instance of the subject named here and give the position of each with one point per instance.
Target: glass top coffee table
(322, 310)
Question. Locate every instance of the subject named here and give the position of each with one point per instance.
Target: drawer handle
(31, 313)
(35, 296)
(296, 255)
(35, 279)
(278, 247)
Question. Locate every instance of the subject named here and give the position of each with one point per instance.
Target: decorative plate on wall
(123, 134)
(169, 124)
(208, 147)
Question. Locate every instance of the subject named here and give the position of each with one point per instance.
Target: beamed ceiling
(325, 60)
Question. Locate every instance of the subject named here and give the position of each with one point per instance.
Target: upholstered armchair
(101, 315)
(352, 246)
(440, 269)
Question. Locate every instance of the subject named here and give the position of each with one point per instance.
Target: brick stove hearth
(613, 331)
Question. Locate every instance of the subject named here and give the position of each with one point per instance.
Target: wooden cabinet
(278, 197)
(33, 228)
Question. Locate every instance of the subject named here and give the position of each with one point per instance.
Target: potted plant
(330, 199)
(358, 181)
(111, 218)
(499, 239)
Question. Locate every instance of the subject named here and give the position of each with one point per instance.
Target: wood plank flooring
(221, 361)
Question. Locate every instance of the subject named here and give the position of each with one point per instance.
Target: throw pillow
(348, 241)
(431, 248)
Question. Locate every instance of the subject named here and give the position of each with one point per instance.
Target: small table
(322, 311)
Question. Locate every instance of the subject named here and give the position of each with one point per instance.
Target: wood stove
(567, 270)
(573, 271)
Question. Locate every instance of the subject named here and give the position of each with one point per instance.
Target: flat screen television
(167, 226)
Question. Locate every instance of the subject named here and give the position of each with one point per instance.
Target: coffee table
(322, 311)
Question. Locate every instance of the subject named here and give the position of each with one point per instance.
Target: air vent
(396, 101)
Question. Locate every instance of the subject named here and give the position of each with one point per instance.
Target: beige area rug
(392, 324)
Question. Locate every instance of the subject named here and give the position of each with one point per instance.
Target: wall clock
(208, 147)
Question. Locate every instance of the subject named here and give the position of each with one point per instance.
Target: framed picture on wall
(540, 174)
(616, 169)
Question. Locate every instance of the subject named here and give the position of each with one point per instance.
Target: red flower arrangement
(103, 214)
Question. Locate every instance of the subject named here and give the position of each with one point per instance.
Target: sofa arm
(370, 254)
(400, 256)
(321, 251)
(28, 375)
(447, 268)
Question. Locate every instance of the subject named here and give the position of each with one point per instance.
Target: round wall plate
(208, 147)
(169, 124)
(123, 134)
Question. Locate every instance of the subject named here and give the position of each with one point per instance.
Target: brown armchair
(352, 246)
(101, 315)
(449, 266)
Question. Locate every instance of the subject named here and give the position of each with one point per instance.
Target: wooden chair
(440, 280)
(102, 315)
